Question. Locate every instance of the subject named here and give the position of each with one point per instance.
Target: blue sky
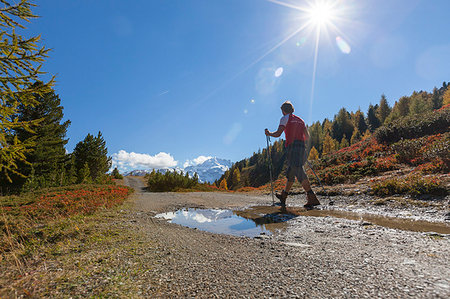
(172, 80)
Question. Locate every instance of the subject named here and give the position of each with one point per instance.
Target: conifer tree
(383, 110)
(116, 174)
(400, 109)
(48, 154)
(329, 145)
(92, 150)
(313, 154)
(342, 125)
(84, 175)
(359, 121)
(236, 177)
(372, 120)
(344, 142)
(418, 104)
(356, 136)
(436, 99)
(446, 98)
(223, 184)
(21, 60)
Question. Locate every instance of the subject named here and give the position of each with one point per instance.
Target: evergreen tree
(20, 62)
(383, 109)
(372, 120)
(92, 150)
(116, 174)
(49, 155)
(418, 104)
(436, 99)
(342, 125)
(84, 175)
(359, 121)
(315, 135)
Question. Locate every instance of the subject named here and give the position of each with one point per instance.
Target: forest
(414, 132)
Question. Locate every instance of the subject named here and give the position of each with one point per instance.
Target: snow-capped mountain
(208, 171)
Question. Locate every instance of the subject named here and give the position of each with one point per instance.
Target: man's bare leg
(312, 199)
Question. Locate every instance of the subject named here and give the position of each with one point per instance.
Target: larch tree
(21, 60)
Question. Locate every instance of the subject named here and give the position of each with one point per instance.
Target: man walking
(296, 136)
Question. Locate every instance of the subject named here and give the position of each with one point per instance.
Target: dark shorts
(295, 160)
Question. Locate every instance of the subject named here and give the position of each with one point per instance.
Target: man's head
(287, 107)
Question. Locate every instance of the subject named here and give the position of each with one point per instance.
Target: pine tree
(116, 174)
(372, 120)
(383, 109)
(342, 125)
(84, 175)
(418, 104)
(359, 121)
(92, 150)
(20, 62)
(436, 99)
(49, 155)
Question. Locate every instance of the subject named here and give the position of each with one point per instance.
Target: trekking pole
(323, 189)
(270, 168)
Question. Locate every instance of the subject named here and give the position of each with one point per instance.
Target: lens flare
(252, 101)
(301, 42)
(343, 45)
(279, 72)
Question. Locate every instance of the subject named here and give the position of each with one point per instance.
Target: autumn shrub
(413, 185)
(415, 126)
(21, 213)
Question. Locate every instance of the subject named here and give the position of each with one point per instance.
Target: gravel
(314, 257)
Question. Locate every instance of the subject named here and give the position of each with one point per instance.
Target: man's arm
(277, 133)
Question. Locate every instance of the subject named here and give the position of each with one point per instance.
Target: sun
(320, 13)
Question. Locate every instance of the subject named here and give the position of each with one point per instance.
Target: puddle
(390, 222)
(226, 221)
(268, 219)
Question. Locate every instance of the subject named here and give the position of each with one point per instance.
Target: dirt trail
(128, 253)
(315, 257)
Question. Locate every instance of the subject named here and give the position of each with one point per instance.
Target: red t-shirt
(294, 128)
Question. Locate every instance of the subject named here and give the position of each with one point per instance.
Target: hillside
(407, 153)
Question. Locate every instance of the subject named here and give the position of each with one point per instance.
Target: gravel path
(314, 257)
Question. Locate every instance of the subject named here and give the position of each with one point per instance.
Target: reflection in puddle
(226, 221)
(268, 219)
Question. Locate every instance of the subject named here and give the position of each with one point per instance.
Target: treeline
(348, 128)
(32, 130)
(170, 181)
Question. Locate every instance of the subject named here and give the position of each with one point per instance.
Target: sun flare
(320, 13)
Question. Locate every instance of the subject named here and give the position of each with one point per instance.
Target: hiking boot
(282, 197)
(312, 200)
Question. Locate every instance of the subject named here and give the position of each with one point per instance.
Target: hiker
(296, 136)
